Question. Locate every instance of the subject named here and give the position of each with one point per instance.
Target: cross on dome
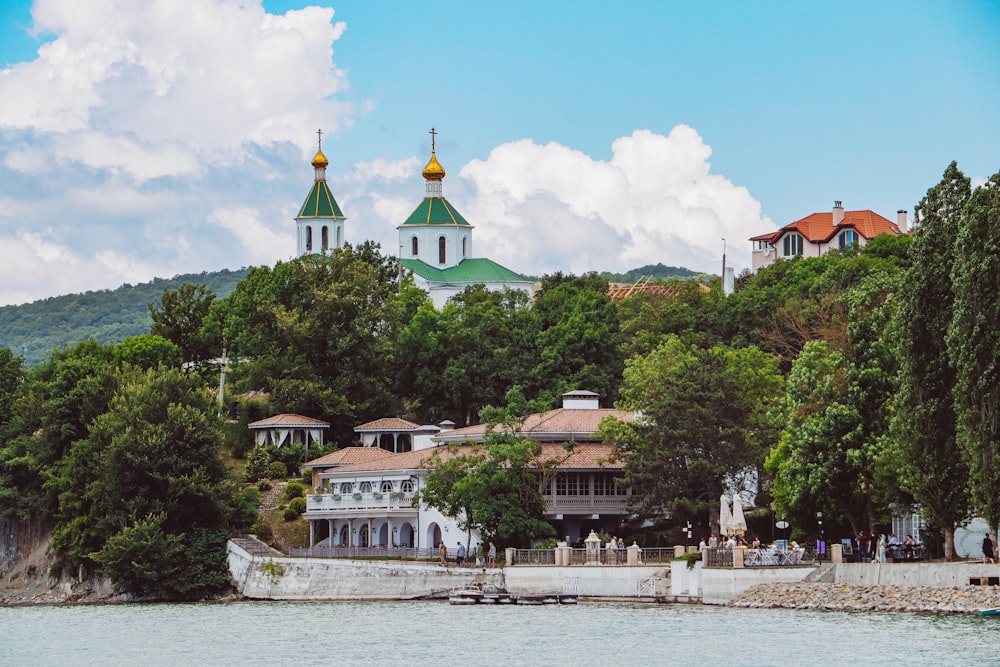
(433, 171)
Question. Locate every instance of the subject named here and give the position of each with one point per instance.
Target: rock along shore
(887, 598)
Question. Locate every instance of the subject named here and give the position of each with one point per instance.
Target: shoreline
(815, 596)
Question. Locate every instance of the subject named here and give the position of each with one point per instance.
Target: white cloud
(260, 243)
(547, 208)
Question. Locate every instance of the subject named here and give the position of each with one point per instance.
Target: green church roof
(436, 211)
(471, 270)
(320, 203)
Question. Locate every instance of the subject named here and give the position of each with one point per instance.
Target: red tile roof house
(369, 503)
(817, 234)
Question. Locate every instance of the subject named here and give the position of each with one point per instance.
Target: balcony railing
(346, 502)
(381, 553)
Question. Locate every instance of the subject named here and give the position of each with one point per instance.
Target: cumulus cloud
(537, 208)
(154, 138)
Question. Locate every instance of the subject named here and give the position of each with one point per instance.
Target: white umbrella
(739, 521)
(725, 518)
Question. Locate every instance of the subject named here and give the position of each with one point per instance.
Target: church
(435, 241)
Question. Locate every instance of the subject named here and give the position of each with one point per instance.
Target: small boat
(465, 595)
(995, 611)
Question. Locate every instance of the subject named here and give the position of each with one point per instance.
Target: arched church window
(340, 236)
(326, 238)
(309, 239)
(346, 487)
(465, 246)
(442, 246)
(414, 246)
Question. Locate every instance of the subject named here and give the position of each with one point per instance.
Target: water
(430, 633)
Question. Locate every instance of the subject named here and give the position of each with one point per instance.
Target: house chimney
(838, 213)
(901, 221)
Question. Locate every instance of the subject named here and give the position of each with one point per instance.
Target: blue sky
(153, 138)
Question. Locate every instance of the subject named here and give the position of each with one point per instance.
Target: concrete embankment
(280, 578)
(855, 597)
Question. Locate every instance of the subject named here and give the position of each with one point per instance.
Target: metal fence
(651, 556)
(382, 553)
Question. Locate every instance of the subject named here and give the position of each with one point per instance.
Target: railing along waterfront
(650, 556)
(383, 553)
(764, 557)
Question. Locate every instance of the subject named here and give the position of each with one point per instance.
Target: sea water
(436, 633)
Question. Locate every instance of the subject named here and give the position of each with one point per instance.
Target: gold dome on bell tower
(433, 171)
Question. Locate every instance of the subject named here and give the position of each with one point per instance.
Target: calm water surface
(429, 633)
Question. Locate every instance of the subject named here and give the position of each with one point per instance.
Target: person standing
(492, 556)
(862, 547)
(988, 549)
(444, 554)
(460, 556)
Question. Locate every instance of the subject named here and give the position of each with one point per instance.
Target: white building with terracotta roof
(819, 233)
(288, 429)
(369, 503)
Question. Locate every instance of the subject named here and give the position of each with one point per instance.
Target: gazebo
(288, 429)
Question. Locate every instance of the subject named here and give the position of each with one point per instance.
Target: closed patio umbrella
(739, 521)
(725, 517)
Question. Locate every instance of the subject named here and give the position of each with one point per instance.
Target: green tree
(705, 424)
(155, 451)
(494, 488)
(148, 351)
(180, 318)
(317, 334)
(931, 465)
(974, 347)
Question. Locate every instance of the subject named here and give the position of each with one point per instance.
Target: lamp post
(821, 545)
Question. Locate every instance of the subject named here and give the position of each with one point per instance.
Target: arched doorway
(345, 537)
(363, 537)
(406, 535)
(383, 535)
(433, 535)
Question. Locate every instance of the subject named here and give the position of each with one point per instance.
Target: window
(414, 246)
(406, 486)
(442, 246)
(547, 489)
(465, 246)
(848, 238)
(326, 238)
(620, 488)
(602, 485)
(346, 487)
(792, 245)
(386, 487)
(572, 484)
(366, 487)
(309, 239)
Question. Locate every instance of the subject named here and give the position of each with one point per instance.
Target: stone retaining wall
(851, 597)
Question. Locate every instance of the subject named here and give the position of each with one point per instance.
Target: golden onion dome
(320, 160)
(433, 171)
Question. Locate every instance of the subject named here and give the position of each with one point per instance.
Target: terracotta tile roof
(388, 424)
(583, 456)
(350, 456)
(287, 420)
(561, 423)
(819, 227)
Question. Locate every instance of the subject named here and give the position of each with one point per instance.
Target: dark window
(326, 238)
(442, 244)
(465, 246)
(792, 245)
(309, 239)
(414, 246)
(848, 238)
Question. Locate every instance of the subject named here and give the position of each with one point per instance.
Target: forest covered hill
(35, 329)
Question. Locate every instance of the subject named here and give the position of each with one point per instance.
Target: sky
(150, 138)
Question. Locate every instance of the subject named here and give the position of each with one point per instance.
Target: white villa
(369, 502)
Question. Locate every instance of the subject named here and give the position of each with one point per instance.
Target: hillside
(37, 328)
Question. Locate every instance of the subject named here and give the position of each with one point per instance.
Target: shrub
(265, 485)
(276, 470)
(263, 531)
(257, 463)
(291, 514)
(298, 504)
(293, 490)
(549, 543)
(307, 476)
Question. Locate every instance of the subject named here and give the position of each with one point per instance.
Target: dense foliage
(107, 316)
(862, 383)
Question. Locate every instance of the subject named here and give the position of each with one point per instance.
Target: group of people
(491, 555)
(615, 549)
(873, 548)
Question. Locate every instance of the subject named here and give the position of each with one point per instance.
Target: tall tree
(931, 465)
(974, 346)
(704, 416)
(180, 319)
